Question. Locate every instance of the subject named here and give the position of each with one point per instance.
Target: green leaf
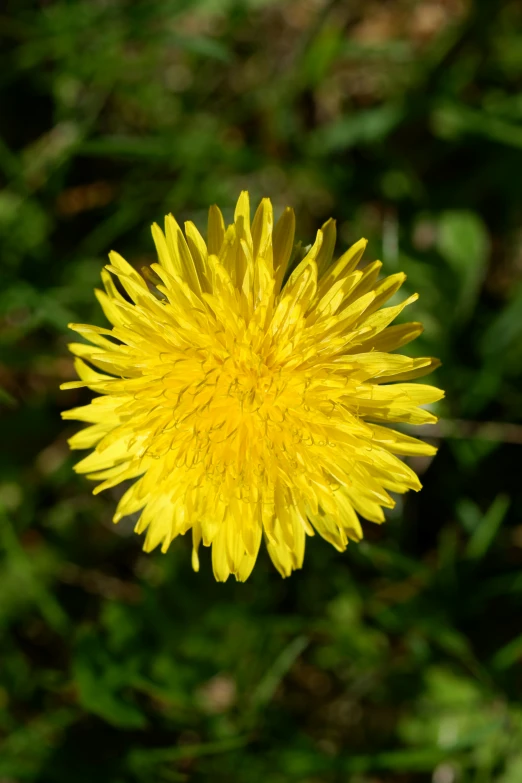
(463, 242)
(363, 127)
(101, 680)
(487, 528)
(143, 759)
(6, 398)
(204, 46)
(508, 655)
(501, 344)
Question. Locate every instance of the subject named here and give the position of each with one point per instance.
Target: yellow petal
(216, 230)
(283, 244)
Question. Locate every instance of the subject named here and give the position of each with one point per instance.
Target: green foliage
(399, 661)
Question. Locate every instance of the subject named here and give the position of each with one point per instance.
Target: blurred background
(399, 661)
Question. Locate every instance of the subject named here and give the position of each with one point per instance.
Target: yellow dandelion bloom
(245, 406)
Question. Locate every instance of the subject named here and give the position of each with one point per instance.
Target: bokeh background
(399, 661)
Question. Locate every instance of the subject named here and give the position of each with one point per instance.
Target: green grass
(399, 661)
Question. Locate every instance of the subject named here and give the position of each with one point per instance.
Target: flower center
(247, 380)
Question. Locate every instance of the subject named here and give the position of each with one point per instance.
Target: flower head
(245, 401)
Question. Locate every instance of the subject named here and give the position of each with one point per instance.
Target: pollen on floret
(246, 390)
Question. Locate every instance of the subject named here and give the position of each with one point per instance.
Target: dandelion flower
(244, 390)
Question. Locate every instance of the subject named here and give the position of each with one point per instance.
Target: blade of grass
(483, 537)
(267, 687)
(49, 607)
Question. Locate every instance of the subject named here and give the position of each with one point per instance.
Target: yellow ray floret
(244, 406)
